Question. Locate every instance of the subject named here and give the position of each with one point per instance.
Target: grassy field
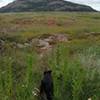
(23, 26)
(75, 64)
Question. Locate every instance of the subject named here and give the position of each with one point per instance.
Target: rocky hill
(44, 5)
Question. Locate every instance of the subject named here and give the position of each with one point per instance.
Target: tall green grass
(75, 80)
(75, 67)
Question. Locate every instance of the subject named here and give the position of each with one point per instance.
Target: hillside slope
(44, 5)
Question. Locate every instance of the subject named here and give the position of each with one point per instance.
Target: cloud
(4, 2)
(86, 1)
(93, 3)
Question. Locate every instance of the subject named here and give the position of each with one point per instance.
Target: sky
(4, 2)
(93, 3)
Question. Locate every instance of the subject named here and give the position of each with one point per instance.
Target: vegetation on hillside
(44, 5)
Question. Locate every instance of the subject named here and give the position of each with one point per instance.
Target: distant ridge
(44, 5)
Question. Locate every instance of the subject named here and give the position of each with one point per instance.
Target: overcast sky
(93, 3)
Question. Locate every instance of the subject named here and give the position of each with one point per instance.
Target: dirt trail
(46, 43)
(43, 44)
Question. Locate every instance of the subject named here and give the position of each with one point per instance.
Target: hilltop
(44, 5)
